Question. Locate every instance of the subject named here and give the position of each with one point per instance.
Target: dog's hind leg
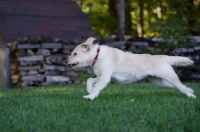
(182, 88)
(160, 82)
(171, 77)
(90, 84)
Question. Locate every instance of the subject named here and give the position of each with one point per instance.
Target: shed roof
(56, 18)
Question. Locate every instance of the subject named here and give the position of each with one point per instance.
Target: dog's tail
(177, 60)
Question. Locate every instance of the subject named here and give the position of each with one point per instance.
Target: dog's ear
(91, 41)
(85, 47)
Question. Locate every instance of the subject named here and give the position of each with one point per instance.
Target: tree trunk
(128, 25)
(190, 9)
(113, 8)
(140, 18)
(121, 19)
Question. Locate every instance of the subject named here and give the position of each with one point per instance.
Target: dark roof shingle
(58, 19)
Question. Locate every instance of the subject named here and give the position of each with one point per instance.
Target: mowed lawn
(119, 108)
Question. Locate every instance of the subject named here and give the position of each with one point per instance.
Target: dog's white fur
(126, 67)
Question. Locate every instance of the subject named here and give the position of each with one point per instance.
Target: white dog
(126, 67)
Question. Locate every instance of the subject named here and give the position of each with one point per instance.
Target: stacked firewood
(39, 62)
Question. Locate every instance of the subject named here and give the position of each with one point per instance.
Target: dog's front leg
(102, 82)
(90, 84)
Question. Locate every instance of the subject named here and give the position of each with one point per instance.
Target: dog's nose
(65, 62)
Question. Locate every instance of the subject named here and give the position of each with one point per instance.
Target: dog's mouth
(73, 64)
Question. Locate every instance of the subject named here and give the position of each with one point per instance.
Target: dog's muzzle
(65, 62)
(73, 64)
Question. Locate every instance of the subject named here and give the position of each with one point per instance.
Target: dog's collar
(95, 58)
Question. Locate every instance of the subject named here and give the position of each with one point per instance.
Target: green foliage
(127, 107)
(102, 22)
(183, 13)
(174, 34)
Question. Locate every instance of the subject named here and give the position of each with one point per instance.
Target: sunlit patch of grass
(129, 107)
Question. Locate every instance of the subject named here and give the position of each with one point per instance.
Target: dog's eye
(75, 54)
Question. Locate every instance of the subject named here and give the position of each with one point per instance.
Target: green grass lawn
(119, 108)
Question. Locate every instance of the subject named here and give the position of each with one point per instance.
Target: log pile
(39, 62)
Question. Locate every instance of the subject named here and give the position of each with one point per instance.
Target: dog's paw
(191, 95)
(190, 90)
(89, 97)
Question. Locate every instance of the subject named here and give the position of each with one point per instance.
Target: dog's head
(83, 54)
